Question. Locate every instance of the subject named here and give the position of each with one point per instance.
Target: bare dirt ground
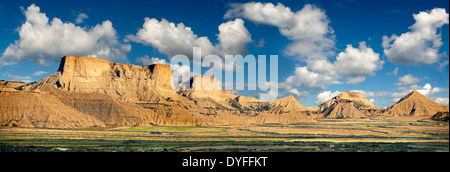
(374, 134)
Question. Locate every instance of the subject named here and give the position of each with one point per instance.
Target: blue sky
(352, 42)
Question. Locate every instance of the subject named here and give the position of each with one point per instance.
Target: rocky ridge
(103, 93)
(91, 92)
(346, 105)
(415, 104)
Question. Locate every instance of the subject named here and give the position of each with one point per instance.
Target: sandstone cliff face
(346, 105)
(87, 92)
(207, 92)
(116, 112)
(415, 104)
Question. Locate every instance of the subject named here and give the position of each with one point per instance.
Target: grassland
(381, 134)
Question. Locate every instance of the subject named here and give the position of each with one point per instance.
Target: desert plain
(374, 134)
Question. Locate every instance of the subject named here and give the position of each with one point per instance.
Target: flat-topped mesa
(123, 81)
(162, 75)
(346, 105)
(204, 83)
(83, 66)
(356, 97)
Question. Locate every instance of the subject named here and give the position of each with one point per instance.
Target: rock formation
(214, 97)
(34, 109)
(91, 92)
(11, 86)
(207, 92)
(415, 104)
(346, 105)
(441, 116)
(88, 92)
(130, 83)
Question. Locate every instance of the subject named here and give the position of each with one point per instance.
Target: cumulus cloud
(442, 100)
(428, 90)
(325, 96)
(233, 38)
(173, 39)
(356, 63)
(39, 73)
(304, 78)
(313, 42)
(18, 78)
(299, 95)
(421, 45)
(308, 27)
(42, 40)
(407, 80)
(170, 38)
(146, 60)
(368, 94)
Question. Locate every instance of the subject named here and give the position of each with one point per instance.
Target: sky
(381, 48)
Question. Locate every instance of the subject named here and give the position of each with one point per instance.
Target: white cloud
(170, 38)
(428, 91)
(233, 38)
(304, 78)
(308, 22)
(353, 64)
(41, 40)
(80, 18)
(17, 78)
(308, 27)
(421, 45)
(356, 63)
(407, 80)
(325, 96)
(313, 42)
(299, 95)
(147, 61)
(355, 80)
(394, 72)
(39, 73)
(442, 100)
(174, 39)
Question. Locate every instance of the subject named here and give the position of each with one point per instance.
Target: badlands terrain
(95, 104)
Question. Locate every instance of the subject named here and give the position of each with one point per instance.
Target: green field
(338, 135)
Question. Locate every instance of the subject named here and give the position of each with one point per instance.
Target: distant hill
(415, 104)
(346, 105)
